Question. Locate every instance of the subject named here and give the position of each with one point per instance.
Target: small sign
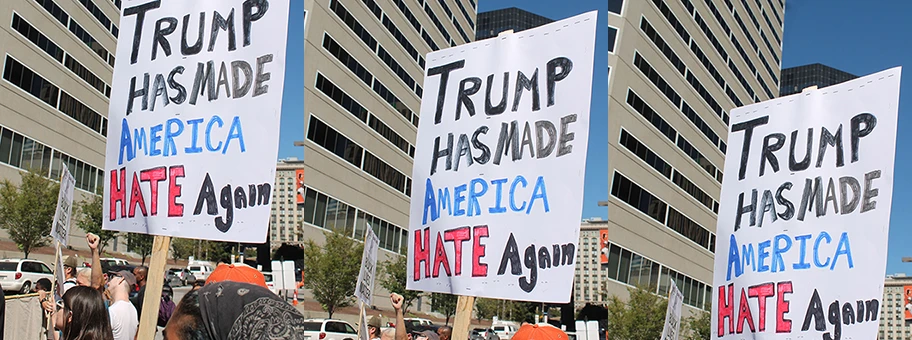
(365, 286)
(60, 231)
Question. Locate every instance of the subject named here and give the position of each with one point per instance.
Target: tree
(90, 220)
(332, 270)
(699, 326)
(641, 317)
(27, 211)
(487, 308)
(393, 279)
(140, 244)
(444, 304)
(182, 248)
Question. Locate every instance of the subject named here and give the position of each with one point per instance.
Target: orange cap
(237, 273)
(539, 332)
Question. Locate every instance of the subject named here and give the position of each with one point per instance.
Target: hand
(93, 241)
(396, 300)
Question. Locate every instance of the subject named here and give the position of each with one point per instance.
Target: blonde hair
(389, 333)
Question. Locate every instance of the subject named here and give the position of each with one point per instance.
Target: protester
(69, 272)
(238, 272)
(373, 328)
(388, 334)
(401, 331)
(81, 315)
(198, 284)
(137, 300)
(539, 332)
(124, 318)
(425, 335)
(84, 277)
(228, 310)
(42, 285)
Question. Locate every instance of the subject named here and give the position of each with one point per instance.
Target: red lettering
(478, 251)
(440, 257)
(457, 236)
(726, 309)
(421, 253)
(783, 325)
(761, 292)
(153, 176)
(136, 197)
(174, 191)
(744, 314)
(118, 193)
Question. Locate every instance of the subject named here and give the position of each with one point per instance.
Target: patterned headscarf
(242, 311)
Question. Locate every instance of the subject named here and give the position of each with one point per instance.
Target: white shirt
(124, 320)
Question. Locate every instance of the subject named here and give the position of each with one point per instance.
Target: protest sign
(499, 168)
(194, 118)
(805, 213)
(673, 313)
(62, 216)
(365, 286)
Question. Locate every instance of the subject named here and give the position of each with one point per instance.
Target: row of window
(656, 162)
(25, 153)
(669, 132)
(395, 103)
(329, 213)
(751, 40)
(100, 16)
(336, 50)
(58, 13)
(333, 141)
(452, 17)
(403, 8)
(443, 31)
(389, 25)
(352, 106)
(465, 14)
(750, 13)
(32, 83)
(647, 203)
(769, 46)
(662, 46)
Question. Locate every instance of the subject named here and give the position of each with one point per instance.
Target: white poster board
(673, 313)
(62, 216)
(193, 134)
(366, 277)
(802, 232)
(59, 273)
(498, 181)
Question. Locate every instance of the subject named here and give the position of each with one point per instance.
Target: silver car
(483, 334)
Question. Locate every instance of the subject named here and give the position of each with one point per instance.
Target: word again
(849, 314)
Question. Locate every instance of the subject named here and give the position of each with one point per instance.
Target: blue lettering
(215, 119)
(802, 264)
(539, 192)
(194, 133)
(777, 263)
(474, 207)
(235, 132)
(733, 259)
(497, 208)
(443, 198)
(125, 143)
(519, 179)
(747, 254)
(170, 148)
(822, 235)
(458, 198)
(762, 254)
(429, 203)
(139, 138)
(154, 138)
(843, 248)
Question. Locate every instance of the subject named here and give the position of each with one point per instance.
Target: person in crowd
(84, 277)
(401, 331)
(140, 274)
(425, 335)
(373, 328)
(81, 315)
(231, 310)
(124, 318)
(238, 272)
(42, 285)
(530, 331)
(69, 272)
(445, 332)
(388, 334)
(198, 284)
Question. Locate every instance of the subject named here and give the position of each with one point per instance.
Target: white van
(505, 331)
(200, 270)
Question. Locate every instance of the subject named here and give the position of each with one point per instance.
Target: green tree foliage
(641, 317)
(90, 217)
(331, 270)
(444, 304)
(140, 244)
(485, 308)
(182, 248)
(27, 211)
(698, 326)
(393, 279)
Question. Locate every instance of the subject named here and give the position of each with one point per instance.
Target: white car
(329, 329)
(505, 331)
(270, 283)
(200, 271)
(20, 275)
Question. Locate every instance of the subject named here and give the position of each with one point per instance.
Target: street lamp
(603, 203)
(907, 259)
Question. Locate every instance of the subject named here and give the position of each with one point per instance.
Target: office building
(363, 76)
(676, 70)
(491, 23)
(58, 58)
(894, 325)
(795, 79)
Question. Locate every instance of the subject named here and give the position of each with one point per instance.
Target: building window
(615, 6)
(639, 199)
(340, 97)
(612, 38)
(640, 106)
(437, 23)
(662, 46)
(336, 50)
(334, 142)
(37, 38)
(644, 153)
(30, 82)
(656, 79)
(353, 24)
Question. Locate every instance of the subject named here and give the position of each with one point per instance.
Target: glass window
(6, 144)
(360, 225)
(615, 6)
(612, 37)
(16, 154)
(624, 266)
(332, 207)
(350, 221)
(320, 212)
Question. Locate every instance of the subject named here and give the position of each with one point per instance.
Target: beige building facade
(893, 322)
(676, 70)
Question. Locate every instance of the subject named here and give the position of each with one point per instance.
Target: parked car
(20, 275)
(184, 276)
(200, 271)
(329, 329)
(418, 324)
(270, 283)
(505, 331)
(483, 334)
(109, 262)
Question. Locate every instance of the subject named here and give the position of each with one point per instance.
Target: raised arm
(401, 333)
(97, 271)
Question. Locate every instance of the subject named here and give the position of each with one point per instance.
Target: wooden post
(463, 317)
(155, 279)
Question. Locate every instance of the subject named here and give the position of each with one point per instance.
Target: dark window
(712, 37)
(384, 172)
(445, 8)
(639, 105)
(698, 52)
(770, 47)
(88, 40)
(692, 189)
(763, 85)
(28, 154)
(85, 74)
(733, 97)
(394, 101)
(437, 23)
(389, 134)
(374, 8)
(346, 59)
(656, 79)
(700, 123)
(696, 156)
(32, 34)
(769, 69)
(475, 6)
(460, 30)
(55, 11)
(772, 30)
(332, 141)
(750, 13)
(30, 82)
(310, 202)
(698, 87)
(395, 67)
(740, 76)
(746, 32)
(750, 65)
(688, 228)
(80, 112)
(430, 41)
(615, 6)
(661, 45)
(353, 24)
(402, 40)
(99, 15)
(465, 14)
(638, 198)
(341, 98)
(666, 11)
(640, 150)
(775, 13)
(612, 38)
(718, 15)
(624, 266)
(614, 260)
(408, 14)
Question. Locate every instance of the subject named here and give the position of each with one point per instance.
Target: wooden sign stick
(463, 317)
(154, 281)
